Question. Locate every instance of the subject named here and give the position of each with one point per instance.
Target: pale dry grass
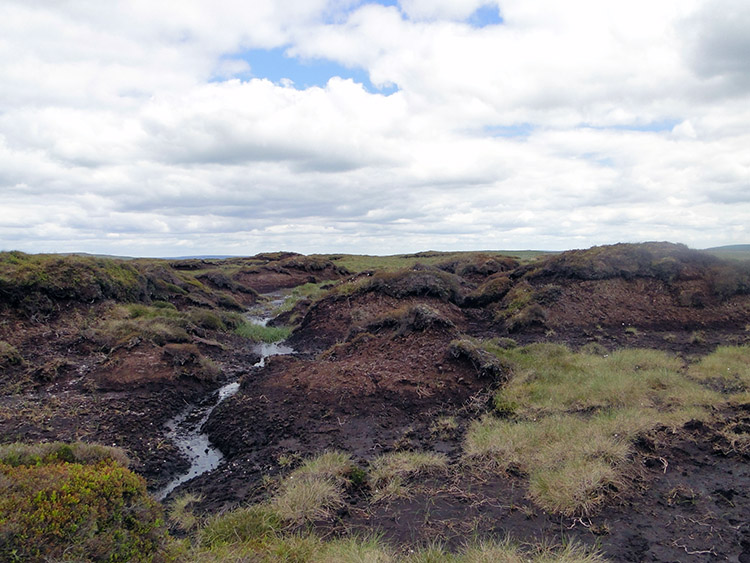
(574, 416)
(389, 472)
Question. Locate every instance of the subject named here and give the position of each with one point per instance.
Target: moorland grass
(263, 333)
(388, 473)
(569, 419)
(314, 489)
(726, 369)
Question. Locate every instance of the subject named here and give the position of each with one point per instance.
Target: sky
(178, 128)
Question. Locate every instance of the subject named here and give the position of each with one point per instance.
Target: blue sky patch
(485, 16)
(659, 126)
(275, 65)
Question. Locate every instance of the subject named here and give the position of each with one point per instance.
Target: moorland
(589, 405)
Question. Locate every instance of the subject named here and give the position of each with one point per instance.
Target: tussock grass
(389, 472)
(355, 550)
(570, 419)
(333, 465)
(253, 523)
(493, 552)
(549, 378)
(315, 489)
(371, 549)
(181, 517)
(307, 500)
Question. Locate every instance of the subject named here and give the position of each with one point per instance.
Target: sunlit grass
(574, 416)
(262, 333)
(726, 369)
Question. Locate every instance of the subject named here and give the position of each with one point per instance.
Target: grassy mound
(659, 260)
(419, 282)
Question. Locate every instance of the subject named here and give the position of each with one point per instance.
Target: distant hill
(733, 251)
(731, 248)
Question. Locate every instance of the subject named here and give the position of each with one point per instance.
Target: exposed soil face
(690, 504)
(376, 372)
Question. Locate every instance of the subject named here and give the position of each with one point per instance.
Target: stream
(186, 429)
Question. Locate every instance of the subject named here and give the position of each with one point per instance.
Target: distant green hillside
(733, 251)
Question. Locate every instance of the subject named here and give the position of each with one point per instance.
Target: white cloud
(123, 130)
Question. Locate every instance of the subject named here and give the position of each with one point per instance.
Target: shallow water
(186, 429)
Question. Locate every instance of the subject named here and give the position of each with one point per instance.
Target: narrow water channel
(186, 429)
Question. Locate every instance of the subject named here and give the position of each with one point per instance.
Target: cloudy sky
(169, 128)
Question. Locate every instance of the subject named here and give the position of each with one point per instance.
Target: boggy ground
(107, 351)
(380, 371)
(386, 364)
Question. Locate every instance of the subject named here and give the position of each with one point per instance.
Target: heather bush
(54, 505)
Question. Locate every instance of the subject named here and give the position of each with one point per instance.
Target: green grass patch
(726, 369)
(261, 333)
(571, 418)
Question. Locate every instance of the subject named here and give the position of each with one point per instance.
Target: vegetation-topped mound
(420, 281)
(660, 260)
(26, 277)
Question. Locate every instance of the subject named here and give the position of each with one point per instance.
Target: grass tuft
(313, 490)
(261, 333)
(389, 472)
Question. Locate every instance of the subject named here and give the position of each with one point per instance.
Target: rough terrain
(379, 370)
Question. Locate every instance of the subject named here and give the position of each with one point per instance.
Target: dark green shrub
(55, 509)
(51, 452)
